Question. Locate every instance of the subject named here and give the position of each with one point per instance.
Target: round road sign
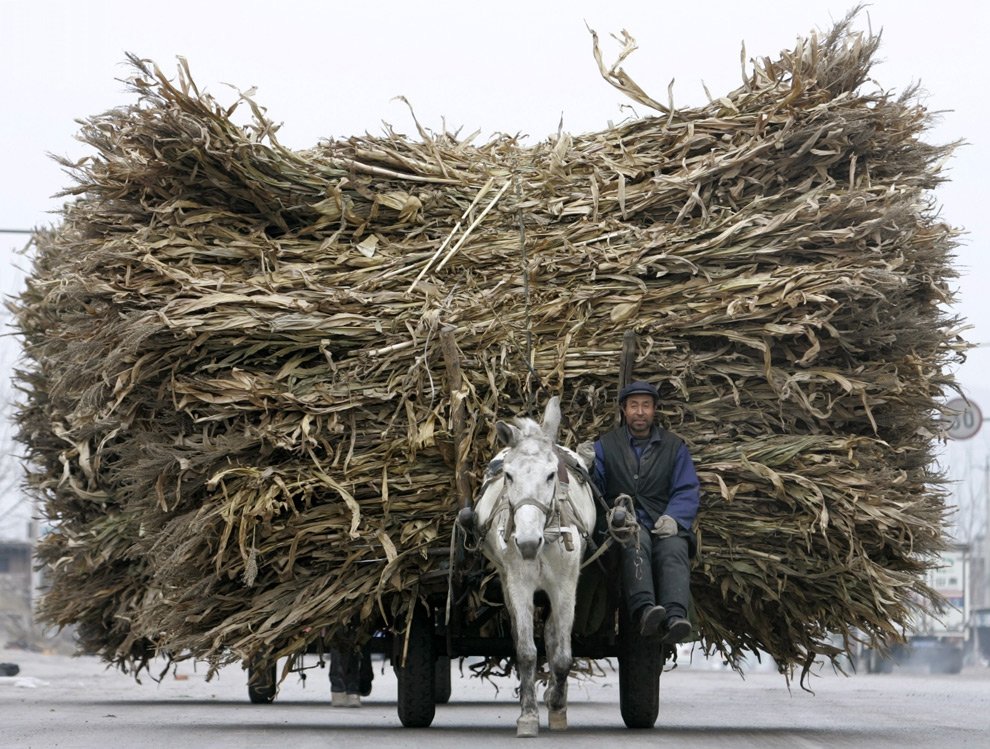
(966, 419)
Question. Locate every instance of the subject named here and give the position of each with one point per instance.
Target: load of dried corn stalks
(238, 414)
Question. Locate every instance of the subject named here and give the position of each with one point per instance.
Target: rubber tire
(442, 686)
(417, 676)
(640, 664)
(262, 684)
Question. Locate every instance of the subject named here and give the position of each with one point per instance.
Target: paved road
(57, 701)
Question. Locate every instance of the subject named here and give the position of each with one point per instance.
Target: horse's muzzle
(529, 547)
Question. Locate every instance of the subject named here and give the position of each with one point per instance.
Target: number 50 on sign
(964, 419)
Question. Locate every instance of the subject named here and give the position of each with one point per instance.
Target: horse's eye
(550, 476)
(508, 477)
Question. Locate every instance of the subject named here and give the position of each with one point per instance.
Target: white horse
(533, 518)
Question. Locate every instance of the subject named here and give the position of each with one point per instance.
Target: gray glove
(586, 452)
(665, 527)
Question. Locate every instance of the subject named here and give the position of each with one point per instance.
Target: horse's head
(530, 475)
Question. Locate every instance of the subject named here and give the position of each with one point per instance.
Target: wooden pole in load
(626, 363)
(458, 415)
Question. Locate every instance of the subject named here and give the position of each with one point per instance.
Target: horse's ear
(506, 433)
(551, 418)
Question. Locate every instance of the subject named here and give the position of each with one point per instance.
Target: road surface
(65, 702)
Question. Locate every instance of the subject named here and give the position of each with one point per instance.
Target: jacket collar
(654, 435)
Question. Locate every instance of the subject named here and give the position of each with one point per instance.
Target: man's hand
(622, 516)
(586, 452)
(665, 527)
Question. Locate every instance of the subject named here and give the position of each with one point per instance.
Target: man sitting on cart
(653, 467)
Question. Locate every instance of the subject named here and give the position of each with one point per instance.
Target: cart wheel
(640, 663)
(262, 684)
(441, 695)
(417, 676)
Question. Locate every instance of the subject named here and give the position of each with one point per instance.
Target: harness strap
(598, 552)
(561, 505)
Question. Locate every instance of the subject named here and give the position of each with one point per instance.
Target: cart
(442, 626)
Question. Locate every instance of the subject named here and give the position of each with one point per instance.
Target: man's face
(639, 411)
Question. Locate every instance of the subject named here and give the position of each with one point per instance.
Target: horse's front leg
(520, 602)
(557, 634)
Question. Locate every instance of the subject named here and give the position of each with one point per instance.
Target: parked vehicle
(447, 627)
(937, 640)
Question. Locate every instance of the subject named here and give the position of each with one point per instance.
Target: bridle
(550, 510)
(558, 513)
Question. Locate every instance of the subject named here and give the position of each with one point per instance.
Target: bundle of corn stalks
(239, 415)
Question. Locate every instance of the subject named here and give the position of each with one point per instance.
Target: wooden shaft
(627, 363)
(458, 415)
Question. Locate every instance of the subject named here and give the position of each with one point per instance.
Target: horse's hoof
(527, 727)
(557, 719)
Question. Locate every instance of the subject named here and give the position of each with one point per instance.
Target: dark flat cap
(638, 387)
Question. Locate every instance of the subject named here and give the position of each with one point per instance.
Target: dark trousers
(345, 670)
(657, 571)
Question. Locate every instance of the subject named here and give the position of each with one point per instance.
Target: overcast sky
(333, 69)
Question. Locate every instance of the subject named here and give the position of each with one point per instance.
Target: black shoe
(678, 630)
(651, 619)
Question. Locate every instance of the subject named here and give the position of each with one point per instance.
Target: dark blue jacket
(679, 498)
